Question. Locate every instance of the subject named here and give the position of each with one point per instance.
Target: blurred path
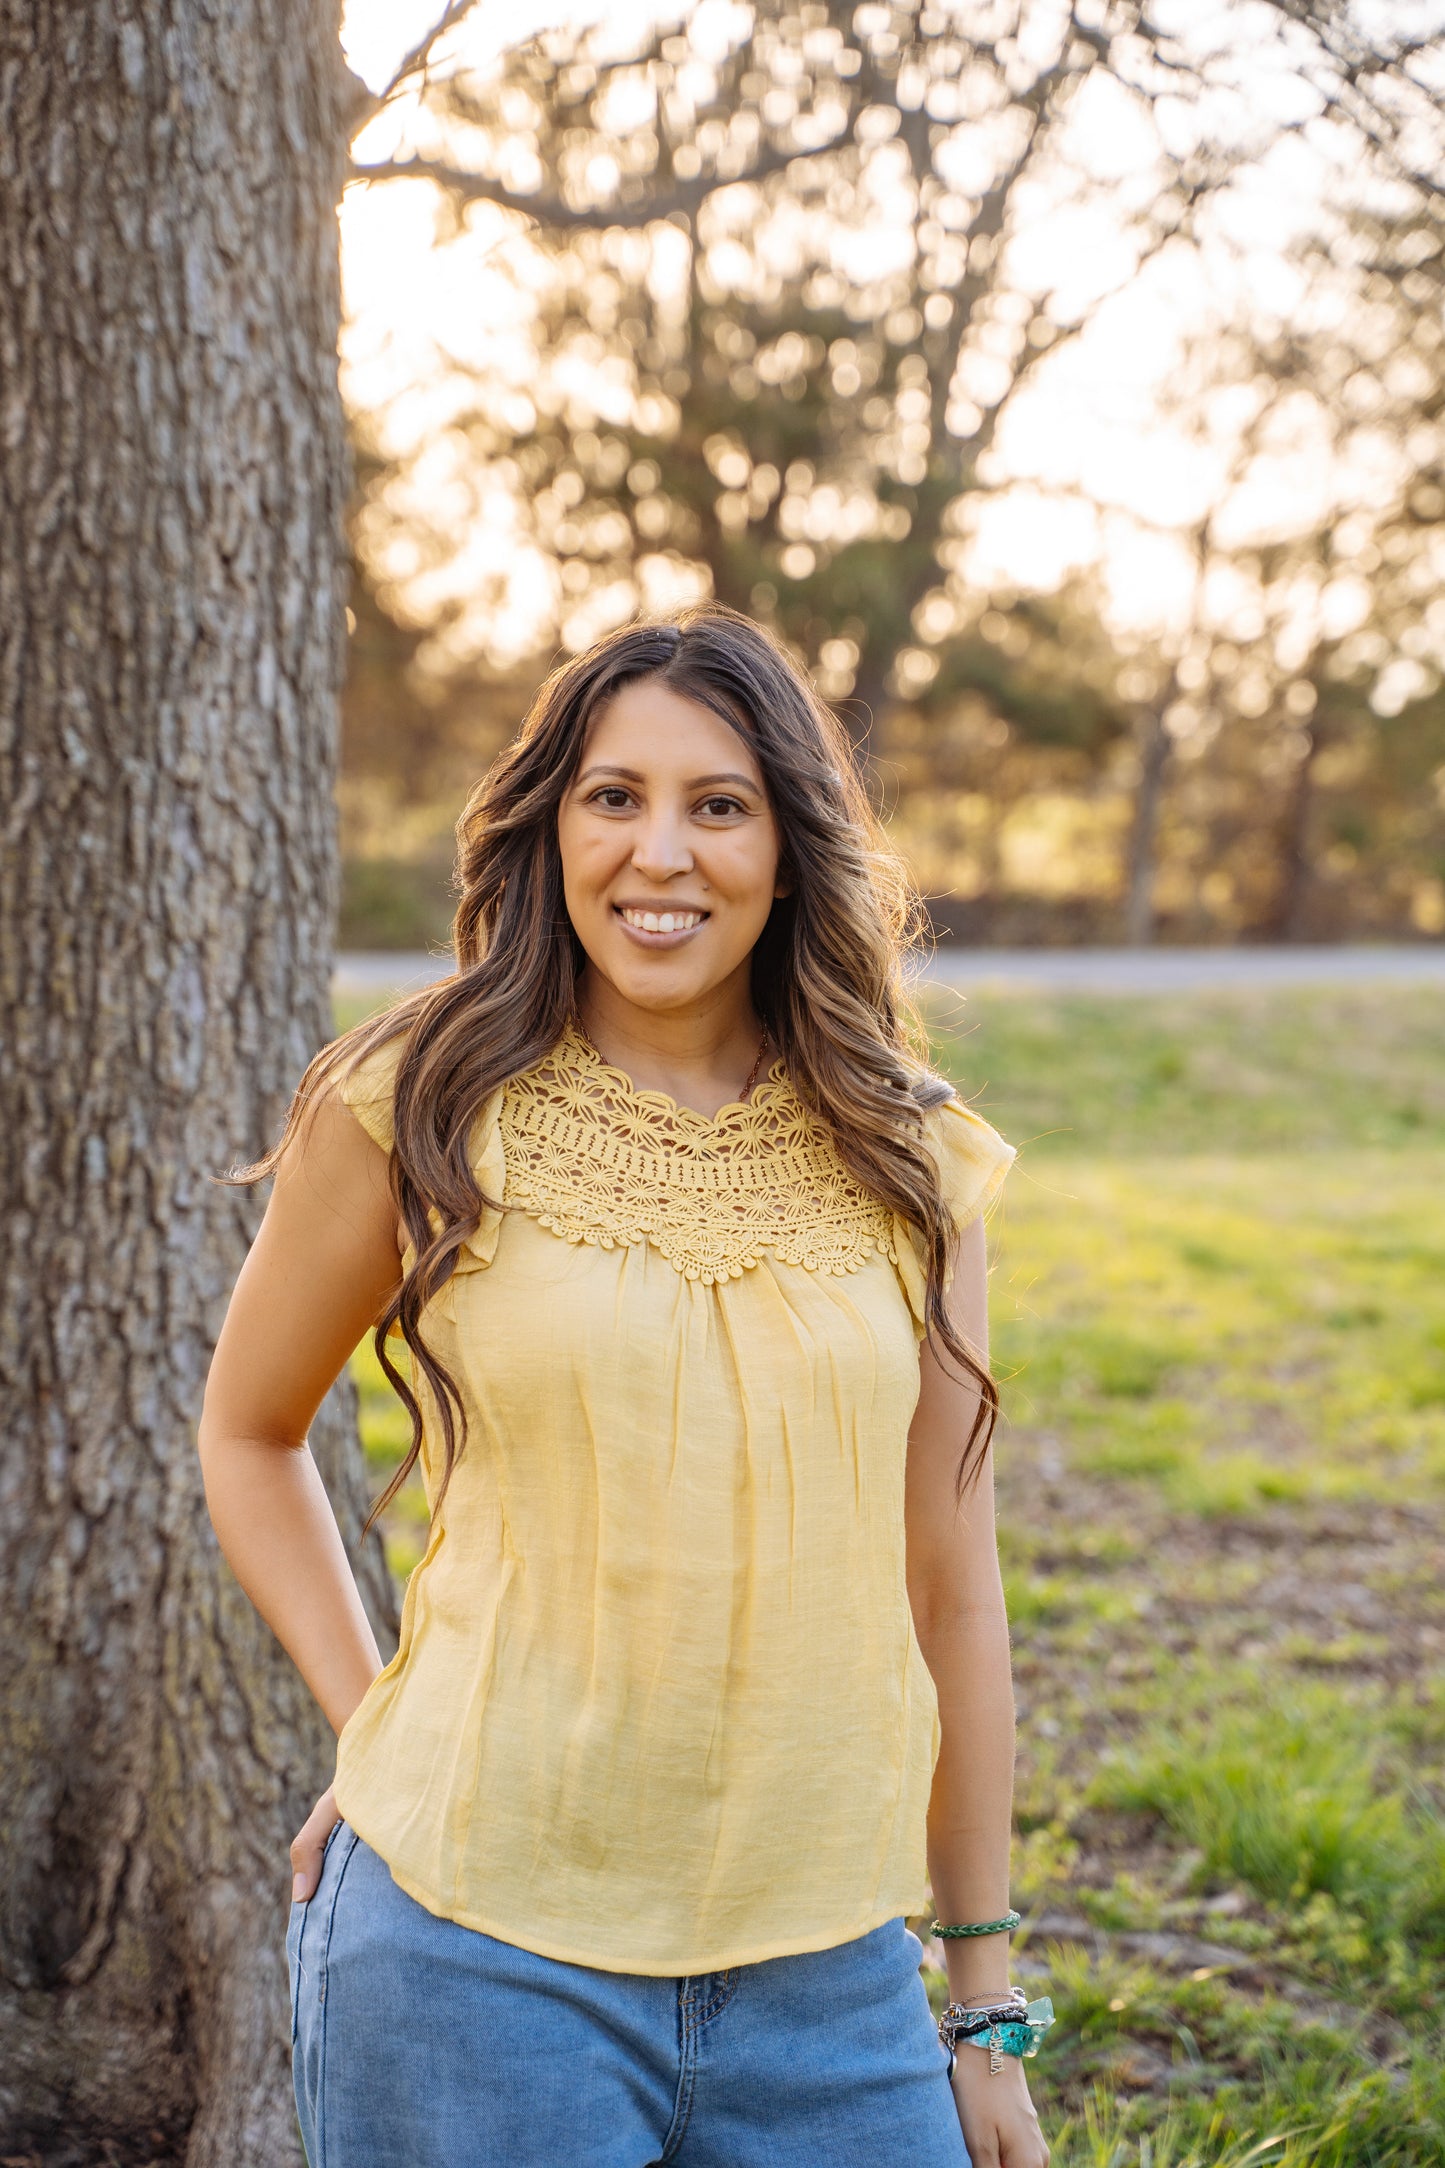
(1184, 970)
(363, 974)
(1057, 971)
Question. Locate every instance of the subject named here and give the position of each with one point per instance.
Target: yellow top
(658, 1706)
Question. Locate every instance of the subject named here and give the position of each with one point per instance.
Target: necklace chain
(757, 1065)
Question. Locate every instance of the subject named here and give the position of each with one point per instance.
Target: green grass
(1234, 1329)
(1259, 1071)
(1219, 1304)
(1294, 1793)
(1220, 1319)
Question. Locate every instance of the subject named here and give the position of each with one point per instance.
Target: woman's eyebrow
(694, 782)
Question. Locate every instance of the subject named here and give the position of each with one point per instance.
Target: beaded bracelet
(1004, 1926)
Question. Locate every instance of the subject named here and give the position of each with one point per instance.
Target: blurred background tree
(752, 304)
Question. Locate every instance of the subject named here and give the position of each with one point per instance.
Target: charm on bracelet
(1015, 2027)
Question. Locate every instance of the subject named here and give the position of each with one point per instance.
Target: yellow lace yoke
(595, 1160)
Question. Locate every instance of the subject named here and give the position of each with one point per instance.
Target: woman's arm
(956, 1593)
(318, 1274)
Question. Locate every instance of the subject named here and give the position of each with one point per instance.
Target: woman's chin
(666, 979)
(663, 991)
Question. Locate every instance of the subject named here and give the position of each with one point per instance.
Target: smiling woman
(705, 1665)
(670, 870)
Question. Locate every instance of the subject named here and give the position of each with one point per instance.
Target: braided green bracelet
(1004, 1926)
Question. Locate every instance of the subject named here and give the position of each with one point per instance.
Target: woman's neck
(701, 1056)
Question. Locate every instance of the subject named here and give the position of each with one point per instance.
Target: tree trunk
(172, 473)
(1284, 920)
(862, 713)
(1153, 742)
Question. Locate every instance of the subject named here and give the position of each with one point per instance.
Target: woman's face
(669, 849)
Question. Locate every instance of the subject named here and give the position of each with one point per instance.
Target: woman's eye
(719, 808)
(612, 798)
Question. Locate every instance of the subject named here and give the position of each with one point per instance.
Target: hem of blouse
(571, 1953)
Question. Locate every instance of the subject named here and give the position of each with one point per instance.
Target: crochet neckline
(595, 1160)
(575, 1049)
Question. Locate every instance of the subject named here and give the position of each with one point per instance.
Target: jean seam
(296, 1980)
(320, 2161)
(721, 1996)
(687, 2059)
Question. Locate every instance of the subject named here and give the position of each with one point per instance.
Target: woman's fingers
(309, 1844)
(1021, 2144)
(1000, 2127)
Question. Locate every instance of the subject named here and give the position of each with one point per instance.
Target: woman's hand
(309, 1844)
(1000, 2127)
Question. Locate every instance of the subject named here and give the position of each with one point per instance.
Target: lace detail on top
(597, 1161)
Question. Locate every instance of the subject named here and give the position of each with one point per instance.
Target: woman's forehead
(650, 723)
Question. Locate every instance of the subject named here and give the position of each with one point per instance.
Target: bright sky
(1088, 473)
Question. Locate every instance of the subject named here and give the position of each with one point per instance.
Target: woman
(705, 1667)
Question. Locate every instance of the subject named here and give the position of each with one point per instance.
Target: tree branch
(683, 199)
(416, 61)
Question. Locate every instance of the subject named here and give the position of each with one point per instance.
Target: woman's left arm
(956, 1593)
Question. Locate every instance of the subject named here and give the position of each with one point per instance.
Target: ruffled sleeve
(972, 1160)
(489, 1165)
(369, 1089)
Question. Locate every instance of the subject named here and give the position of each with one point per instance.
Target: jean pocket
(298, 1943)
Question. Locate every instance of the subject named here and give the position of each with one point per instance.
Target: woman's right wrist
(976, 1972)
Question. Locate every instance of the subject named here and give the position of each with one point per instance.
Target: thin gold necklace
(757, 1065)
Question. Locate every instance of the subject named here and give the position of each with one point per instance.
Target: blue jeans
(422, 2044)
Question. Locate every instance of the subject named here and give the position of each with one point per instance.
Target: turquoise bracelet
(1004, 1926)
(1015, 2027)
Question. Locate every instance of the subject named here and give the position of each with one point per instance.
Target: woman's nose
(660, 848)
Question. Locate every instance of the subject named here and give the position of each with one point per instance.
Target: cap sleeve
(972, 1160)
(369, 1089)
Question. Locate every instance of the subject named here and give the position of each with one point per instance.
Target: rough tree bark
(172, 474)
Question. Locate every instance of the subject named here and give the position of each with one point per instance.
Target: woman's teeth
(664, 921)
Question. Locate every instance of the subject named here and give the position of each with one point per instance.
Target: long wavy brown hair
(826, 978)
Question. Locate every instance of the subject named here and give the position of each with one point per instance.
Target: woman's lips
(659, 929)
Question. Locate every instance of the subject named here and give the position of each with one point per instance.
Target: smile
(657, 923)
